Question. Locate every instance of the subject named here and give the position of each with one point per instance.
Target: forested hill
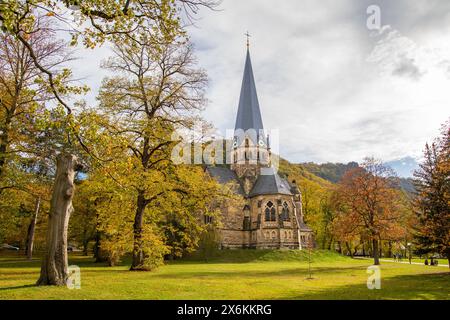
(300, 173)
(327, 174)
(332, 172)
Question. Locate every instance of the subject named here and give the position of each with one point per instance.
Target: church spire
(249, 114)
(248, 39)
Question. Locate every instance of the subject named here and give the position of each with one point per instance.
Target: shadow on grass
(18, 287)
(81, 261)
(433, 286)
(286, 272)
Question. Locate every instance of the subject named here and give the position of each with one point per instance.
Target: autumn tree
(158, 91)
(432, 202)
(24, 97)
(95, 22)
(367, 203)
(24, 162)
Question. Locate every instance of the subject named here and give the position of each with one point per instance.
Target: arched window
(208, 219)
(270, 212)
(285, 212)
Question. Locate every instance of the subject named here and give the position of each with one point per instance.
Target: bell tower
(251, 149)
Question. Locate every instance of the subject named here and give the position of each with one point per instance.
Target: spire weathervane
(248, 39)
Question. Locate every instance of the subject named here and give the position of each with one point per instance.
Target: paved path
(404, 262)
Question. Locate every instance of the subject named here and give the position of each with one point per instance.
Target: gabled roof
(249, 114)
(225, 175)
(269, 182)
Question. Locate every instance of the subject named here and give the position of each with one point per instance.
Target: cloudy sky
(336, 90)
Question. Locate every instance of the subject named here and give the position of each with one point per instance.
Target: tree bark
(347, 245)
(330, 243)
(99, 254)
(31, 230)
(339, 247)
(138, 263)
(4, 142)
(55, 262)
(380, 249)
(375, 251)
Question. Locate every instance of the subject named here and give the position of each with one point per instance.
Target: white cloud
(335, 91)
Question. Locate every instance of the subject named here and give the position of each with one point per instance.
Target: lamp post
(309, 264)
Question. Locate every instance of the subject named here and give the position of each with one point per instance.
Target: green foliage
(432, 202)
(316, 194)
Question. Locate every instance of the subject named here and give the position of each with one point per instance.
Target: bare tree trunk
(4, 142)
(339, 247)
(347, 245)
(369, 248)
(375, 251)
(31, 230)
(330, 243)
(138, 263)
(99, 254)
(55, 263)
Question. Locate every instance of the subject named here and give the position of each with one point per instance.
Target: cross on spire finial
(248, 39)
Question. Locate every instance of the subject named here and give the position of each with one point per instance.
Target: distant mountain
(332, 172)
(404, 167)
(407, 185)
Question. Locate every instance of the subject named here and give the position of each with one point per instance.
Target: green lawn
(244, 274)
(419, 260)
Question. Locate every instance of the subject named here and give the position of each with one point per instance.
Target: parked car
(6, 246)
(71, 248)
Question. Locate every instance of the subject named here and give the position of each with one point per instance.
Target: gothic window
(208, 219)
(285, 212)
(270, 212)
(274, 234)
(246, 225)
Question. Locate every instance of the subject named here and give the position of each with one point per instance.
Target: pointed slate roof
(225, 175)
(269, 182)
(249, 114)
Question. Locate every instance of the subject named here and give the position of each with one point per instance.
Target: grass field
(243, 274)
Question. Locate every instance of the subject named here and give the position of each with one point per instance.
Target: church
(270, 216)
